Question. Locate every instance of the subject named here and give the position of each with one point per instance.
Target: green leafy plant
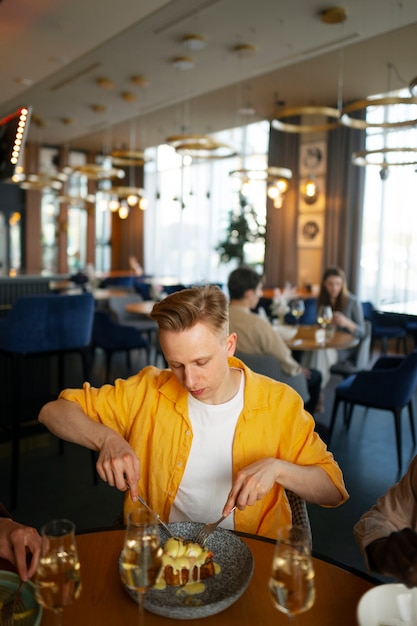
(243, 228)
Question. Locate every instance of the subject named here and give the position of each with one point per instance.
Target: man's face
(198, 359)
(254, 295)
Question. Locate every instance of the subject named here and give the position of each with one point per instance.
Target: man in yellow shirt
(204, 435)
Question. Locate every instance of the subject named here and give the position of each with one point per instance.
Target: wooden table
(105, 602)
(305, 340)
(141, 308)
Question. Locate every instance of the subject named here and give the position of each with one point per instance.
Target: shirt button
(170, 493)
(179, 464)
(188, 432)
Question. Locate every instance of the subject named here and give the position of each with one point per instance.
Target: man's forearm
(68, 421)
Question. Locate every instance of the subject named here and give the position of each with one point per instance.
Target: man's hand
(396, 555)
(252, 484)
(118, 464)
(17, 543)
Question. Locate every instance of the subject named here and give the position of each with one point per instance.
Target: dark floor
(54, 485)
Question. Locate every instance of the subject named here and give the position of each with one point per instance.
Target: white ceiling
(64, 46)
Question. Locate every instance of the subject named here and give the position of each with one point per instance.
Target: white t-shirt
(207, 479)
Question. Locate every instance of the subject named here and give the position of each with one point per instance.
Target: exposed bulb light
(123, 211)
(132, 199)
(143, 203)
(114, 205)
(310, 191)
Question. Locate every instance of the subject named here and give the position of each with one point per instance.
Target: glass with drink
(58, 579)
(291, 583)
(141, 557)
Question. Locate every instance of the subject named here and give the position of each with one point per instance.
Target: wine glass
(297, 309)
(141, 557)
(324, 316)
(291, 583)
(58, 579)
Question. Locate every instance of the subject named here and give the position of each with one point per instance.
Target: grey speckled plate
(222, 590)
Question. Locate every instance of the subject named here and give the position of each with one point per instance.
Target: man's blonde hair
(183, 309)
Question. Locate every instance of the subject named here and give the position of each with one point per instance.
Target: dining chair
(117, 307)
(389, 386)
(42, 325)
(268, 365)
(299, 513)
(385, 326)
(359, 359)
(111, 337)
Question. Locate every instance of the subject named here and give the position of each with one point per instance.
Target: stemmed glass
(324, 316)
(297, 309)
(291, 583)
(58, 578)
(141, 557)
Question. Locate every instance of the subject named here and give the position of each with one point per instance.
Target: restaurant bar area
(208, 252)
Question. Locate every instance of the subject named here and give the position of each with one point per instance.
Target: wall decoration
(319, 204)
(313, 159)
(310, 230)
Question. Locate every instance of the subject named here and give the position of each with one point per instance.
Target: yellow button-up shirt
(150, 410)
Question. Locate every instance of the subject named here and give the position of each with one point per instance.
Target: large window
(189, 206)
(389, 240)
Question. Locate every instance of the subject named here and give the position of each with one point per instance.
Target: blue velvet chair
(112, 337)
(390, 386)
(385, 326)
(49, 325)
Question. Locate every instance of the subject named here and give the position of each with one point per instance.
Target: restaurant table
(140, 308)
(104, 601)
(305, 339)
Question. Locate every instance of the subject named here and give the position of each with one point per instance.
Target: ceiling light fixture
(139, 81)
(182, 63)
(413, 86)
(128, 96)
(98, 108)
(127, 158)
(244, 50)
(200, 146)
(98, 172)
(39, 182)
(105, 83)
(276, 178)
(333, 15)
(363, 105)
(193, 41)
(306, 111)
(385, 157)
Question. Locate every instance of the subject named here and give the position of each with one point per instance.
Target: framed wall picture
(310, 230)
(319, 204)
(313, 159)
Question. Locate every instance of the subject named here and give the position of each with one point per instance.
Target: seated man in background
(19, 544)
(387, 533)
(255, 335)
(205, 435)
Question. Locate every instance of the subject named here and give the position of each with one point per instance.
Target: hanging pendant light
(276, 178)
(381, 103)
(200, 146)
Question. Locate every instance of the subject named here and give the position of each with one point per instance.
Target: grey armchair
(269, 365)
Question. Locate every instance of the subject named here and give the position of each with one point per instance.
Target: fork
(146, 505)
(204, 532)
(6, 616)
